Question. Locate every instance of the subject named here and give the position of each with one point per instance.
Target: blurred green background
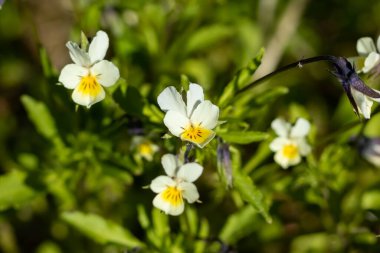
(72, 180)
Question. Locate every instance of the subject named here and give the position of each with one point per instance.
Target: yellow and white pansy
(176, 186)
(144, 147)
(366, 48)
(90, 71)
(192, 121)
(291, 144)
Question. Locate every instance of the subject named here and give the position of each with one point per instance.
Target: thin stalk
(298, 64)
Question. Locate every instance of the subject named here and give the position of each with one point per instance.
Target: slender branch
(298, 64)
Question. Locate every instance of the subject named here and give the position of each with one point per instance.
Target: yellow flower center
(89, 86)
(173, 195)
(290, 151)
(145, 149)
(196, 134)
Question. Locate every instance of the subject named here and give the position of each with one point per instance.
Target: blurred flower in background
(144, 147)
(366, 47)
(369, 148)
(291, 143)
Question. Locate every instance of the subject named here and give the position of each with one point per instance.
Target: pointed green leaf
(241, 79)
(239, 225)
(101, 230)
(250, 193)
(40, 116)
(243, 137)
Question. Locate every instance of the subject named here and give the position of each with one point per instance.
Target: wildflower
(89, 72)
(193, 121)
(176, 186)
(291, 143)
(366, 47)
(144, 147)
(360, 95)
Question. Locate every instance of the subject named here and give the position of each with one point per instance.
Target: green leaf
(83, 41)
(239, 225)
(207, 36)
(241, 79)
(371, 200)
(13, 191)
(243, 137)
(101, 230)
(39, 114)
(270, 95)
(250, 193)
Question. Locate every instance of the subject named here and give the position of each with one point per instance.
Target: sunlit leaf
(101, 230)
(243, 137)
(250, 193)
(240, 80)
(40, 116)
(13, 192)
(239, 225)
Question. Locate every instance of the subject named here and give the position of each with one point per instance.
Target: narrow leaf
(40, 116)
(250, 193)
(101, 230)
(243, 137)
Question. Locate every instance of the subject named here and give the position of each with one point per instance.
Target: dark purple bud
(224, 162)
(347, 75)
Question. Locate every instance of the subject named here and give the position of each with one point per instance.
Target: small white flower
(291, 143)
(366, 47)
(144, 147)
(193, 121)
(89, 72)
(176, 186)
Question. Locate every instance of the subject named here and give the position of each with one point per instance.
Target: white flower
(89, 72)
(291, 143)
(193, 121)
(144, 147)
(366, 47)
(178, 185)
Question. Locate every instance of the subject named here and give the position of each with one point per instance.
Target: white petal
(284, 161)
(190, 192)
(78, 56)
(71, 75)
(303, 147)
(300, 129)
(170, 164)
(160, 183)
(278, 143)
(281, 127)
(170, 99)
(365, 45)
(98, 47)
(165, 206)
(206, 114)
(371, 61)
(106, 73)
(87, 99)
(176, 122)
(194, 97)
(364, 104)
(190, 172)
